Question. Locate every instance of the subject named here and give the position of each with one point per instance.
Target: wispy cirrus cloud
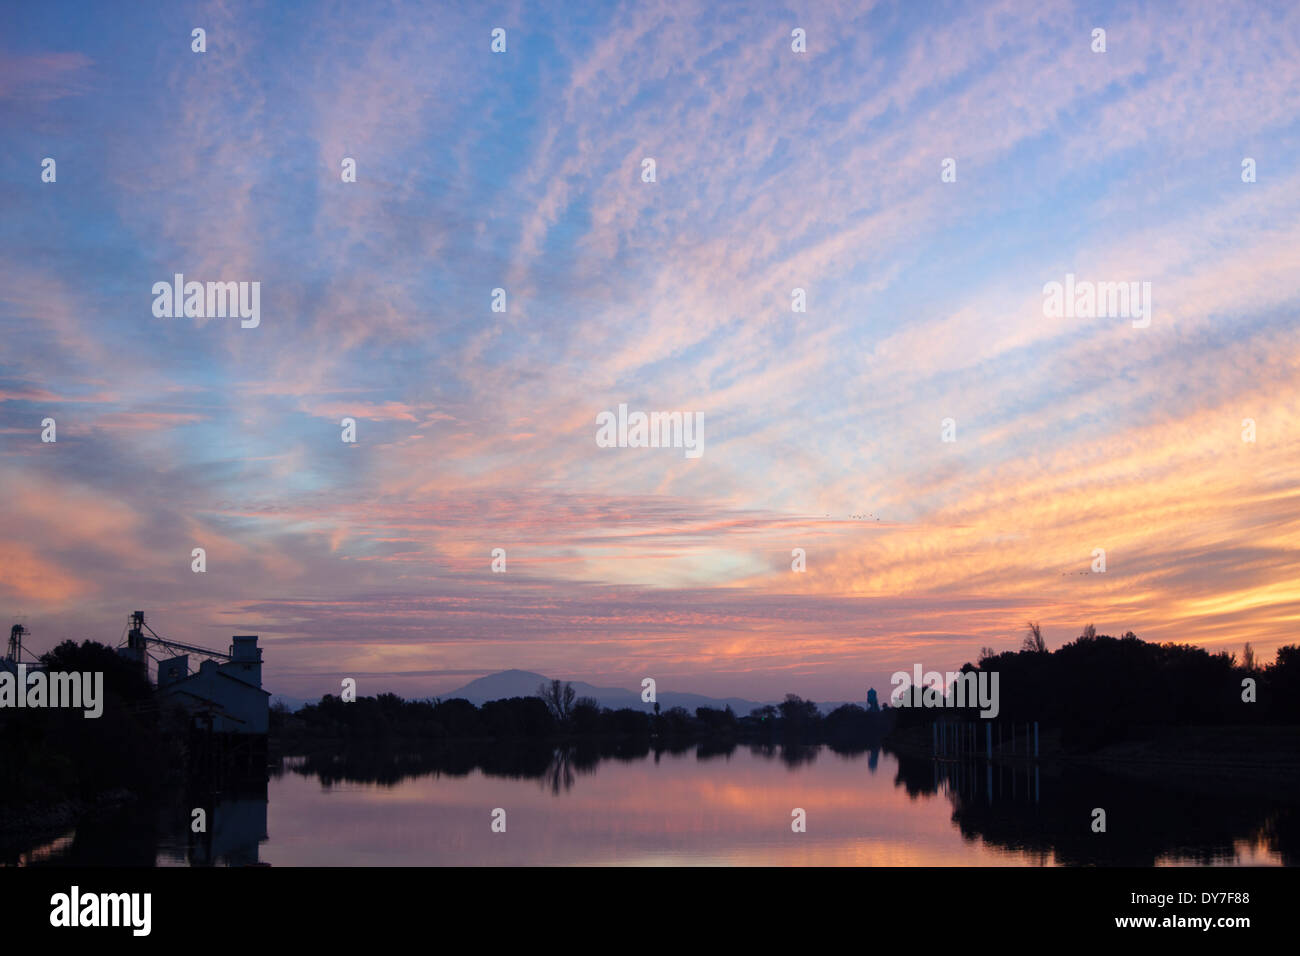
(822, 429)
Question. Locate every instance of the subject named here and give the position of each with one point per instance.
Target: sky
(823, 429)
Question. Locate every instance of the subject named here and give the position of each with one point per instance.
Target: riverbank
(23, 826)
(1207, 759)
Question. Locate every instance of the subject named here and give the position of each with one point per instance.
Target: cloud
(775, 171)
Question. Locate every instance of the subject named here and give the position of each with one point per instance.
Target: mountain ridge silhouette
(521, 683)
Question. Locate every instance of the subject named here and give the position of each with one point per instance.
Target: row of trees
(556, 711)
(52, 755)
(1099, 689)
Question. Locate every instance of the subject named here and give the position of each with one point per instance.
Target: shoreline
(35, 821)
(1215, 759)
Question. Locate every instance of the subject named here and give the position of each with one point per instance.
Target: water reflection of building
(236, 827)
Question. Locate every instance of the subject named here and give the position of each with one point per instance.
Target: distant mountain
(517, 683)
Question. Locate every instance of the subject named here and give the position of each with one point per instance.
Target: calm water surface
(690, 807)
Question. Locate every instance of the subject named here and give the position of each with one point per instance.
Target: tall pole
(16, 642)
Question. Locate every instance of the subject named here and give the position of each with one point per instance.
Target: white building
(229, 693)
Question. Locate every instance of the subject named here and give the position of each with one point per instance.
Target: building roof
(220, 673)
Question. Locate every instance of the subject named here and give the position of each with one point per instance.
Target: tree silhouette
(1034, 642)
(559, 699)
(797, 714)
